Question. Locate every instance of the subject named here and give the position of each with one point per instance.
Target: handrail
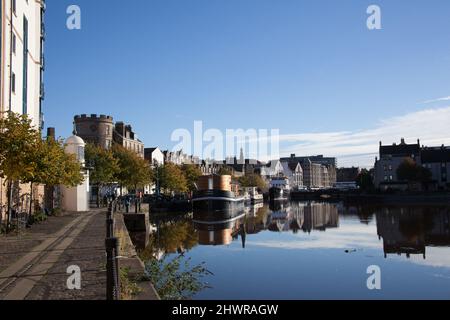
(112, 256)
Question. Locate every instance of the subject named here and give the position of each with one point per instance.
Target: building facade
(95, 129)
(390, 158)
(318, 171)
(125, 136)
(154, 156)
(22, 65)
(22, 58)
(437, 160)
(102, 131)
(347, 174)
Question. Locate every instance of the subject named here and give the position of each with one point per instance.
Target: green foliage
(191, 173)
(175, 279)
(410, 171)
(365, 180)
(104, 166)
(53, 166)
(225, 171)
(252, 180)
(18, 141)
(133, 171)
(128, 286)
(172, 178)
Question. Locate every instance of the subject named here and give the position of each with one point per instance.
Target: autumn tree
(191, 173)
(172, 179)
(411, 172)
(52, 166)
(133, 171)
(103, 165)
(252, 180)
(18, 139)
(365, 180)
(26, 158)
(225, 171)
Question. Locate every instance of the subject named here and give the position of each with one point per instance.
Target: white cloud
(360, 148)
(437, 100)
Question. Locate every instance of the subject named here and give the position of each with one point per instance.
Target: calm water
(310, 250)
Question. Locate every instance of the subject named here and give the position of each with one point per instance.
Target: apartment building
(22, 65)
(22, 58)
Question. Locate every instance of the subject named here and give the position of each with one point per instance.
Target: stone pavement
(34, 265)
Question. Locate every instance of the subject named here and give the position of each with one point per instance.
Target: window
(25, 67)
(14, 6)
(14, 40)
(13, 82)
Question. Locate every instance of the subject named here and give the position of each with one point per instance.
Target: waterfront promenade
(33, 265)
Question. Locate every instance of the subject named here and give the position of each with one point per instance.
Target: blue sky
(309, 68)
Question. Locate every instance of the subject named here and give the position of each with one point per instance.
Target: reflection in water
(305, 216)
(410, 230)
(404, 230)
(309, 228)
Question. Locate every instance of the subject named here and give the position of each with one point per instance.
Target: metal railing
(112, 256)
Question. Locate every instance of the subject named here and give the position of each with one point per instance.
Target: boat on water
(252, 196)
(279, 189)
(215, 194)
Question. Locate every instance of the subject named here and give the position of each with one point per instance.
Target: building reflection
(304, 216)
(403, 230)
(409, 230)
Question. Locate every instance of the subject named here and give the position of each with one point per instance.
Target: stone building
(391, 156)
(437, 160)
(125, 136)
(101, 130)
(294, 172)
(318, 171)
(95, 129)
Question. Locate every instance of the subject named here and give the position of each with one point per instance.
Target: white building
(22, 57)
(21, 61)
(294, 172)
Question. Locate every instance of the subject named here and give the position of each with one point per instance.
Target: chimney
(51, 133)
(418, 142)
(403, 141)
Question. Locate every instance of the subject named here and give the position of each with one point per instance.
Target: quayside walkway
(33, 265)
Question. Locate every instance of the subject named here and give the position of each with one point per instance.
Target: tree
(172, 179)
(225, 171)
(18, 139)
(133, 171)
(411, 172)
(252, 180)
(52, 166)
(191, 173)
(365, 180)
(104, 166)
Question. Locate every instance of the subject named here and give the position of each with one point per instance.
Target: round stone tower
(95, 129)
